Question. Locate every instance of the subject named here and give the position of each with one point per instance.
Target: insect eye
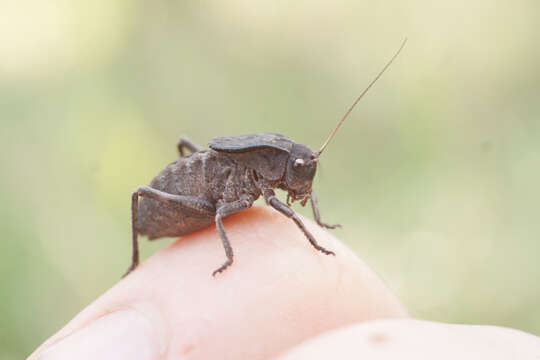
(298, 162)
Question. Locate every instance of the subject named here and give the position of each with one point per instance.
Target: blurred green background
(435, 175)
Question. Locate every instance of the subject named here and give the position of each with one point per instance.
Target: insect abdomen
(203, 175)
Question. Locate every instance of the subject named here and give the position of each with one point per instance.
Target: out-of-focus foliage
(435, 176)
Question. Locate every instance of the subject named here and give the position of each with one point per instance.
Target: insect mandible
(209, 185)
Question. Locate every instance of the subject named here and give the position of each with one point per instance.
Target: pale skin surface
(279, 293)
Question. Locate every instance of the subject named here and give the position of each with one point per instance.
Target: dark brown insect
(208, 185)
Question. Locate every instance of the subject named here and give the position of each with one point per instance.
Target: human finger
(278, 292)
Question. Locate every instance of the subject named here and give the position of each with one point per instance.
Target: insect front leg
(190, 204)
(185, 143)
(223, 211)
(317, 215)
(273, 201)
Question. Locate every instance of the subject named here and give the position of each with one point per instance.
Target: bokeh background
(435, 176)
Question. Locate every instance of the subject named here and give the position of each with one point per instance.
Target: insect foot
(323, 250)
(326, 226)
(222, 267)
(130, 269)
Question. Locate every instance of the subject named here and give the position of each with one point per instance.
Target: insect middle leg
(317, 215)
(190, 204)
(223, 211)
(273, 201)
(185, 143)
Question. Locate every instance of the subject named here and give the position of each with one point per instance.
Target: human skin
(278, 293)
(392, 339)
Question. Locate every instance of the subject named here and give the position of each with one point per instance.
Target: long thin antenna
(360, 97)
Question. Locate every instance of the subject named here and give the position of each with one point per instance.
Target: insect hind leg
(185, 143)
(190, 204)
(134, 233)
